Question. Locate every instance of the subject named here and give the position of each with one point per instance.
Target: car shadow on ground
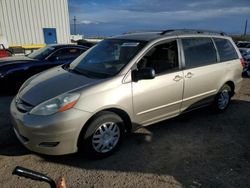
(212, 149)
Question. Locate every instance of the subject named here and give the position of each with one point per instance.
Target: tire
(222, 99)
(248, 73)
(103, 135)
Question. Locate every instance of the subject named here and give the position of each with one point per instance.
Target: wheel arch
(232, 86)
(124, 115)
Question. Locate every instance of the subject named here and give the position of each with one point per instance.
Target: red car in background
(4, 52)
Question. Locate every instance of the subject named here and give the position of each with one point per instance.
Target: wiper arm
(87, 73)
(75, 71)
(80, 72)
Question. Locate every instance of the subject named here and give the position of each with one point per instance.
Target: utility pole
(245, 31)
(74, 25)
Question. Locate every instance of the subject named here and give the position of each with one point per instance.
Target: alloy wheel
(223, 99)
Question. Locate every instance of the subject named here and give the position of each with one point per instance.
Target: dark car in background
(244, 48)
(15, 70)
(243, 44)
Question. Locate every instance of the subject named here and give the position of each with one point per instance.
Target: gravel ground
(198, 149)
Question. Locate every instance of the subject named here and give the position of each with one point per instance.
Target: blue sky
(112, 17)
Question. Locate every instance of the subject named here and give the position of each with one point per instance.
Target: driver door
(159, 98)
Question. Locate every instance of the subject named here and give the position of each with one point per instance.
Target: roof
(66, 45)
(152, 35)
(145, 36)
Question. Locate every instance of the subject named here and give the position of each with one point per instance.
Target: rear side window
(243, 45)
(67, 53)
(225, 49)
(199, 52)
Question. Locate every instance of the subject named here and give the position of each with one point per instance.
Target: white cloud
(87, 22)
(202, 3)
(209, 13)
(127, 16)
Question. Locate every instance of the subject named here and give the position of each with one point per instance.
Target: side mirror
(143, 74)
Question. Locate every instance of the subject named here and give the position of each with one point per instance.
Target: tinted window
(225, 49)
(67, 53)
(198, 52)
(161, 58)
(243, 45)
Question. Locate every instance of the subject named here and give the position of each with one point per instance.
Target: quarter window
(225, 49)
(198, 52)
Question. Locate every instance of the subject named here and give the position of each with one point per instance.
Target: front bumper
(55, 134)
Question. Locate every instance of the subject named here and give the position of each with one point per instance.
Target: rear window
(225, 49)
(198, 52)
(243, 45)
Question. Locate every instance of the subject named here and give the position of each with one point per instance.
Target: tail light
(243, 63)
(4, 53)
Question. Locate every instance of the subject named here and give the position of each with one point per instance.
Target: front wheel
(104, 135)
(222, 99)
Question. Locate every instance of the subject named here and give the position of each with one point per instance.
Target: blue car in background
(15, 70)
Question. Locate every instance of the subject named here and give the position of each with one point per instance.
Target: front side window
(107, 58)
(198, 52)
(161, 58)
(225, 49)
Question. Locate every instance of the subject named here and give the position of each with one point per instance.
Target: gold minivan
(123, 82)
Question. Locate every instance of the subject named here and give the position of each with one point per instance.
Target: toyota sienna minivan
(122, 83)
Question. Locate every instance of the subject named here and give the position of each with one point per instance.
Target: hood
(52, 83)
(14, 60)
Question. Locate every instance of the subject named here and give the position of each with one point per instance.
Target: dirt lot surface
(198, 149)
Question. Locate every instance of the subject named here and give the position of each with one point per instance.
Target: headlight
(57, 104)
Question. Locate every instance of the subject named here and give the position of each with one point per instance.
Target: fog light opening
(49, 144)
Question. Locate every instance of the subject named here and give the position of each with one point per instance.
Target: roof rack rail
(142, 31)
(191, 31)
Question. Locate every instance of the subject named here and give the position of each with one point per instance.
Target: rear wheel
(103, 135)
(222, 99)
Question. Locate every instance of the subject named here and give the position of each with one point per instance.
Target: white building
(34, 22)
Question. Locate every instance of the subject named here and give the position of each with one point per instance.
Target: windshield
(41, 53)
(107, 58)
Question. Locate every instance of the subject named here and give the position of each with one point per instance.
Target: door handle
(177, 78)
(189, 75)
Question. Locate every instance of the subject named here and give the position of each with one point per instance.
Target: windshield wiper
(80, 72)
(75, 71)
(86, 73)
